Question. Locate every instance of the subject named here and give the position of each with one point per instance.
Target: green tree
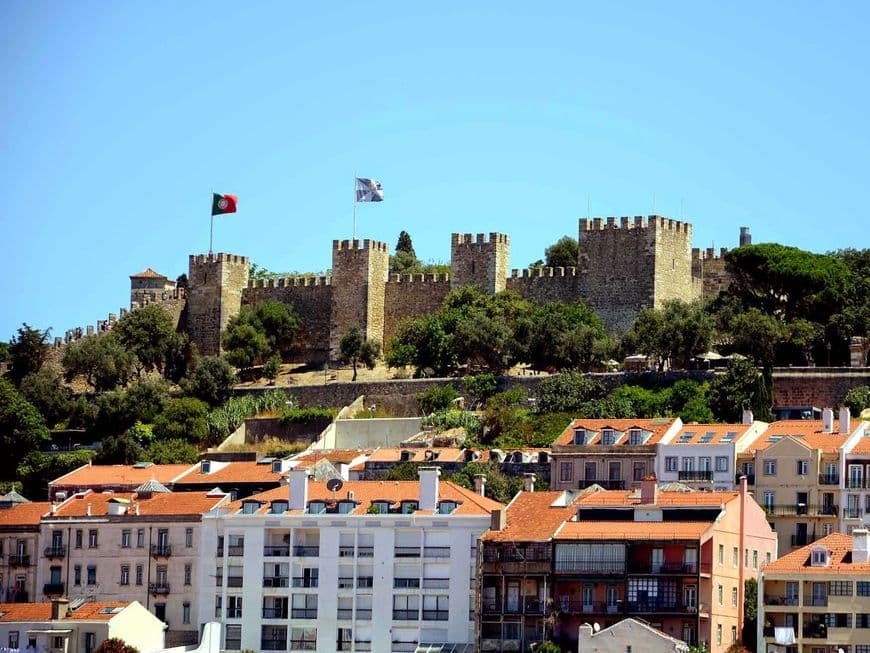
(673, 333)
(47, 393)
(27, 352)
(272, 368)
(548, 647)
(37, 469)
(564, 253)
(182, 419)
(245, 345)
(115, 645)
(607, 408)
(143, 434)
(279, 323)
(756, 335)
(4, 352)
(741, 386)
(22, 428)
(405, 261)
(567, 392)
(181, 281)
(121, 449)
(505, 417)
(560, 336)
(857, 400)
(499, 486)
(211, 381)
(171, 452)
(181, 354)
(356, 349)
(643, 401)
(480, 387)
(436, 398)
(147, 334)
(404, 244)
(102, 360)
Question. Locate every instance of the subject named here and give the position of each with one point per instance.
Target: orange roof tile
(119, 475)
(862, 446)
(658, 427)
(160, 504)
(14, 612)
(365, 492)
(700, 432)
(243, 471)
(417, 454)
(632, 530)
(663, 498)
(24, 514)
(532, 517)
(335, 456)
(809, 431)
(840, 548)
(148, 273)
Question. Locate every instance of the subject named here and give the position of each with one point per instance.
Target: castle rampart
(544, 285)
(215, 286)
(480, 261)
(412, 295)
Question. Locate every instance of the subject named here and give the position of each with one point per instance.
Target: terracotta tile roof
(335, 456)
(230, 472)
(663, 499)
(809, 431)
(632, 530)
(16, 612)
(119, 475)
(365, 492)
(708, 433)
(532, 517)
(658, 427)
(840, 547)
(24, 514)
(148, 273)
(862, 446)
(164, 504)
(417, 454)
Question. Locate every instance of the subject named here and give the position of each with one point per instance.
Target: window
(733, 634)
(188, 537)
(565, 473)
(838, 619)
(92, 538)
(670, 463)
(138, 574)
(92, 575)
(704, 464)
(185, 612)
(862, 620)
(721, 463)
(125, 538)
(13, 639)
(436, 608)
(719, 634)
(840, 588)
(408, 507)
(735, 557)
(346, 507)
(720, 593)
(79, 539)
(234, 607)
(188, 572)
(803, 467)
(769, 500)
(608, 437)
(721, 554)
(250, 507)
(688, 464)
(77, 575)
(140, 538)
(754, 559)
(767, 558)
(90, 642)
(125, 574)
(234, 637)
(863, 588)
(406, 607)
(734, 597)
(637, 436)
(579, 436)
(217, 606)
(446, 507)
(770, 467)
(819, 558)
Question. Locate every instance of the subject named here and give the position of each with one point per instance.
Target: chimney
(745, 236)
(649, 489)
(748, 417)
(89, 510)
(529, 482)
(498, 519)
(585, 633)
(828, 420)
(60, 608)
(298, 489)
(480, 484)
(429, 487)
(845, 421)
(860, 545)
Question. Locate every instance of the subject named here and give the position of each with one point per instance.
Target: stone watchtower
(359, 276)
(478, 261)
(214, 295)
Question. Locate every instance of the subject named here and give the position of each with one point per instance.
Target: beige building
(142, 546)
(817, 599)
(79, 627)
(613, 453)
(19, 547)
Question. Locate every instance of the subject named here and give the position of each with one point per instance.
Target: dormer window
(276, 466)
(819, 557)
(405, 456)
(279, 507)
(316, 507)
(345, 507)
(205, 467)
(579, 436)
(608, 437)
(637, 437)
(250, 507)
(447, 507)
(409, 507)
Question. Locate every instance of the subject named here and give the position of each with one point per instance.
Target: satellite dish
(596, 626)
(334, 484)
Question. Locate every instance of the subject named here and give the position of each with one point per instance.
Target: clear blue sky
(117, 119)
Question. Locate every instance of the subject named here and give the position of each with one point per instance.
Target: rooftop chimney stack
(529, 479)
(828, 420)
(498, 519)
(480, 484)
(429, 487)
(649, 489)
(298, 489)
(748, 417)
(60, 608)
(845, 421)
(860, 545)
(745, 236)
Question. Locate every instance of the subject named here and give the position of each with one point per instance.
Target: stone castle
(624, 265)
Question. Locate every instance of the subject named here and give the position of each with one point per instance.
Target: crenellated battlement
(217, 257)
(479, 239)
(290, 282)
(636, 222)
(530, 273)
(708, 254)
(343, 245)
(419, 278)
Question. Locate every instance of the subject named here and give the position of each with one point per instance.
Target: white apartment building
(854, 475)
(353, 566)
(704, 456)
(143, 546)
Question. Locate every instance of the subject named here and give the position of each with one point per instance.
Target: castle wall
(215, 285)
(311, 298)
(412, 295)
(673, 260)
(711, 271)
(480, 261)
(545, 285)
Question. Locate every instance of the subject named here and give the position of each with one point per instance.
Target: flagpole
(353, 233)
(211, 229)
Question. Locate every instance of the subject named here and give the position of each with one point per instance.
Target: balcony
(220, 552)
(161, 550)
(829, 479)
(306, 551)
(270, 551)
(595, 607)
(436, 583)
(858, 483)
(800, 540)
(344, 614)
(304, 581)
(275, 613)
(276, 581)
(406, 615)
(236, 550)
(781, 600)
(406, 583)
(659, 605)
(273, 644)
(345, 582)
(591, 567)
(19, 560)
(51, 589)
(235, 581)
(55, 552)
(695, 475)
(346, 551)
(303, 613)
(436, 552)
(435, 615)
(686, 568)
(363, 614)
(160, 587)
(365, 552)
(362, 645)
(306, 645)
(816, 601)
(406, 552)
(234, 613)
(853, 512)
(606, 483)
(750, 478)
(801, 509)
(364, 582)
(815, 631)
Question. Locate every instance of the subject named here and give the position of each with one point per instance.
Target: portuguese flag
(221, 204)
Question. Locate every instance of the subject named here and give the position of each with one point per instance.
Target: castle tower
(478, 261)
(214, 295)
(745, 236)
(149, 286)
(359, 277)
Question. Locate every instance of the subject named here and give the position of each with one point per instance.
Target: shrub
(438, 397)
(567, 392)
(182, 419)
(226, 419)
(857, 399)
(211, 381)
